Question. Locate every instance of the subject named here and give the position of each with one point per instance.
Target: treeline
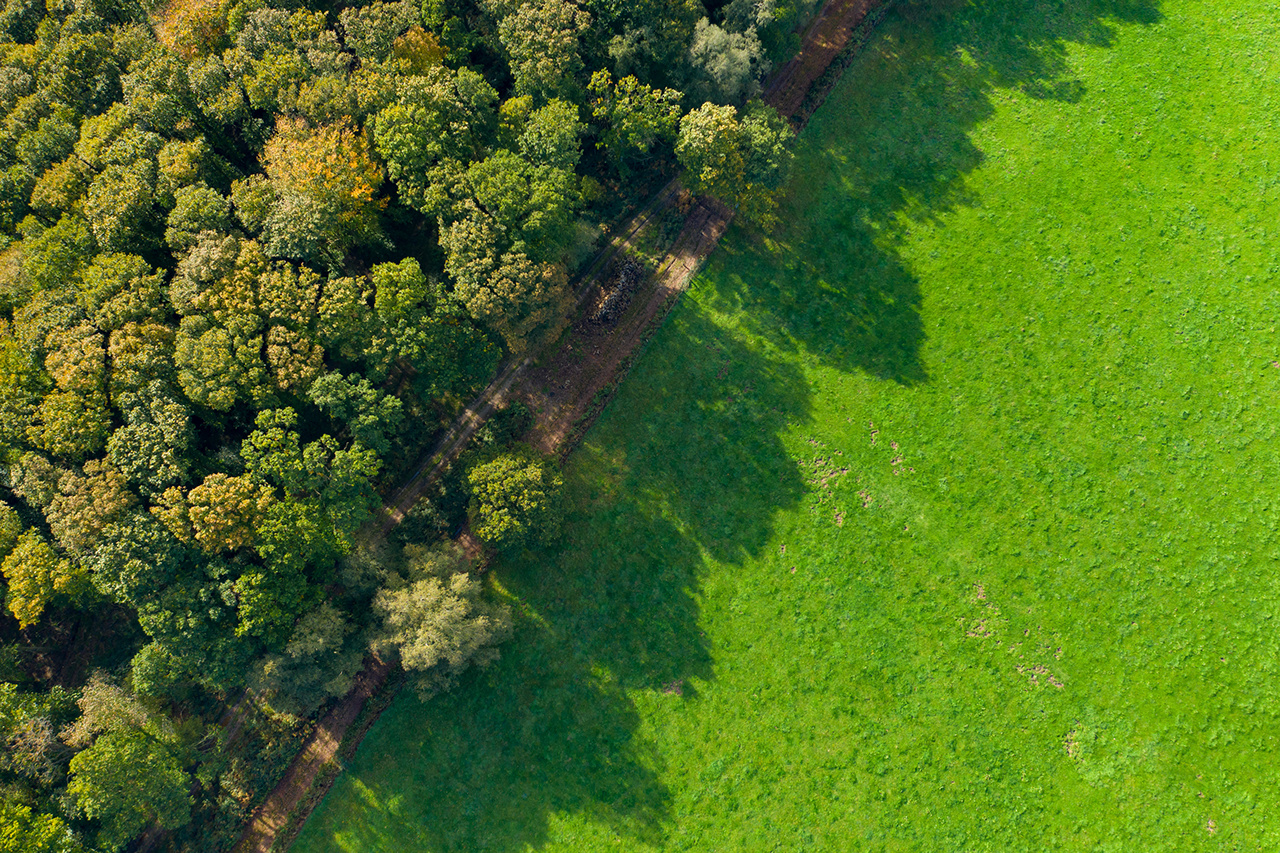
(251, 256)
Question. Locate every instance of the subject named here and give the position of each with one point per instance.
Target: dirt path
(823, 41)
(566, 390)
(569, 388)
(316, 753)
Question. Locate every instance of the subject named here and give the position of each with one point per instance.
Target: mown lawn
(942, 520)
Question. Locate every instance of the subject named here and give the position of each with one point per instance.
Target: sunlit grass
(944, 518)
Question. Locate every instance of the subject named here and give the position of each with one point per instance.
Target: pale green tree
(128, 780)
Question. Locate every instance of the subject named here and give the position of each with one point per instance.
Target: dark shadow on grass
(687, 463)
(896, 149)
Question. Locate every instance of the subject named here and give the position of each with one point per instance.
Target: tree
(138, 557)
(29, 724)
(437, 621)
(332, 482)
(128, 780)
(53, 257)
(36, 576)
(221, 363)
(372, 418)
(34, 478)
(550, 136)
(86, 503)
(319, 662)
(325, 186)
(151, 449)
(23, 830)
(515, 500)
(193, 621)
(196, 208)
(120, 206)
(108, 707)
(288, 297)
(225, 511)
(141, 355)
(542, 40)
(636, 117)
(531, 203)
(727, 65)
(115, 289)
(437, 116)
(740, 162)
(371, 31)
(269, 602)
(10, 528)
(73, 421)
(21, 381)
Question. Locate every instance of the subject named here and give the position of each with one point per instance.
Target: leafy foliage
(126, 780)
(515, 500)
(252, 256)
(436, 621)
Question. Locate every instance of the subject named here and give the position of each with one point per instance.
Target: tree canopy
(252, 257)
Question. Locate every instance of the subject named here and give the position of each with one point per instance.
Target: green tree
(437, 620)
(550, 136)
(52, 257)
(29, 725)
(319, 662)
(127, 780)
(23, 830)
(335, 479)
(120, 206)
(435, 117)
(138, 557)
(727, 66)
(372, 417)
(196, 208)
(141, 355)
(515, 500)
(742, 162)
(269, 602)
(531, 203)
(193, 621)
(219, 363)
(371, 31)
(636, 118)
(541, 38)
(10, 528)
(115, 289)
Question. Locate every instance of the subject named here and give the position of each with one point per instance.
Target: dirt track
(565, 391)
(823, 41)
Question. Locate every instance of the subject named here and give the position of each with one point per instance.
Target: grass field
(944, 519)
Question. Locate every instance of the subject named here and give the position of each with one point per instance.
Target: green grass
(1034, 244)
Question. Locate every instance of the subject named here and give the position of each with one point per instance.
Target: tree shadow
(892, 148)
(609, 610)
(688, 464)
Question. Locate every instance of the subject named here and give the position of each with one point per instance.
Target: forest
(252, 258)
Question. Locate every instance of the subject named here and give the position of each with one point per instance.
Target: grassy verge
(942, 519)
